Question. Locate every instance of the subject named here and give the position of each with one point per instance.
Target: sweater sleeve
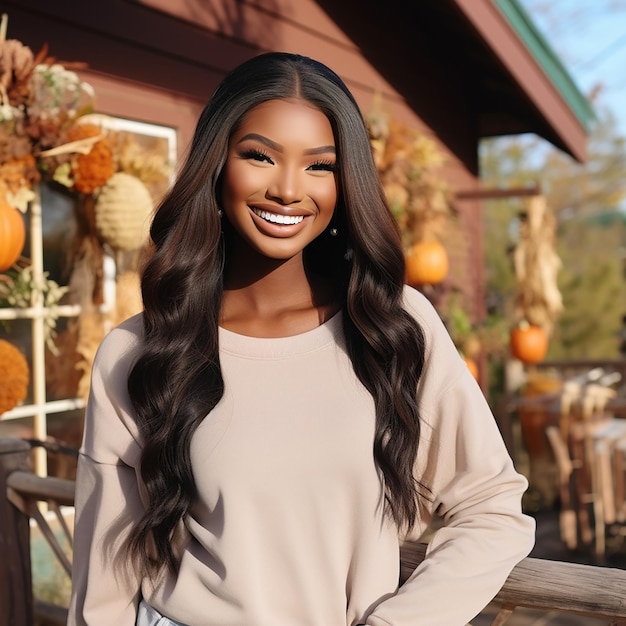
(107, 503)
(474, 489)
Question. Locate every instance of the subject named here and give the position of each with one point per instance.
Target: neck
(269, 298)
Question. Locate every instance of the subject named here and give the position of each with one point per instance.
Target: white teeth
(275, 218)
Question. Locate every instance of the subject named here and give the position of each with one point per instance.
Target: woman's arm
(105, 590)
(475, 490)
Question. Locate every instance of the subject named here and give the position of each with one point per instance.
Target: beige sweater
(288, 527)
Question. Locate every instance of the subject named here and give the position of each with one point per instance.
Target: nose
(286, 186)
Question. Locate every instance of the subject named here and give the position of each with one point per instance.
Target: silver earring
(220, 212)
(333, 232)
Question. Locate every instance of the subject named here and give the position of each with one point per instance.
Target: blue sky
(589, 36)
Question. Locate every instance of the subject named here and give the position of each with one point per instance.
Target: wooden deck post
(16, 589)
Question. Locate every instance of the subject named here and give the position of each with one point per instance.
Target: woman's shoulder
(123, 339)
(110, 430)
(128, 330)
(441, 354)
(133, 325)
(418, 305)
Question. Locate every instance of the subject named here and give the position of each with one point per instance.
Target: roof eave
(525, 54)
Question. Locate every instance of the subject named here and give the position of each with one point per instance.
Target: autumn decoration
(426, 263)
(465, 335)
(49, 132)
(538, 301)
(17, 290)
(409, 164)
(50, 135)
(12, 234)
(40, 101)
(122, 212)
(14, 376)
(91, 169)
(529, 343)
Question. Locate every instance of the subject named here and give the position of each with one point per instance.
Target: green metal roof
(538, 45)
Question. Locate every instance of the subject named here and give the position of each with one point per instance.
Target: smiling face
(279, 187)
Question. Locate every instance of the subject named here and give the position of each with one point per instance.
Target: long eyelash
(258, 155)
(330, 166)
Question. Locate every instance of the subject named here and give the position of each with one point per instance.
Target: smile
(275, 218)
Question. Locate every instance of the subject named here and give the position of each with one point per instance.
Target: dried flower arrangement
(90, 169)
(40, 101)
(409, 164)
(46, 130)
(49, 133)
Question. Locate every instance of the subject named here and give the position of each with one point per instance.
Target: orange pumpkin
(12, 235)
(427, 263)
(529, 343)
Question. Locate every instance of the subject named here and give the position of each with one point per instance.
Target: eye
(323, 166)
(256, 155)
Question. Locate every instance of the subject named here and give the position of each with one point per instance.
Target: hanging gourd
(528, 343)
(14, 376)
(12, 235)
(122, 212)
(427, 263)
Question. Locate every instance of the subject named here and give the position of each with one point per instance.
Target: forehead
(287, 121)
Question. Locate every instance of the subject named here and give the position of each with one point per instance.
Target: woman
(285, 410)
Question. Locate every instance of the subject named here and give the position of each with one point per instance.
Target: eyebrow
(278, 148)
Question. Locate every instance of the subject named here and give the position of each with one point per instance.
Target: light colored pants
(147, 616)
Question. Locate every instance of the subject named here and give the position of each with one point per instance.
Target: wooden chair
(619, 467)
(568, 524)
(588, 458)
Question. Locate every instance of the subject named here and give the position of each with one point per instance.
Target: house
(458, 70)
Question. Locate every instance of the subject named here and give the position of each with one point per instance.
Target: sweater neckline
(272, 347)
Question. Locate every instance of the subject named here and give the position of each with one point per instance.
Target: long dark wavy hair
(177, 381)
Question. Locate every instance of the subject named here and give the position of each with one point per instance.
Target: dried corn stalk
(536, 264)
(91, 325)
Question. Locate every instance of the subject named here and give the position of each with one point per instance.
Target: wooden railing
(544, 585)
(21, 495)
